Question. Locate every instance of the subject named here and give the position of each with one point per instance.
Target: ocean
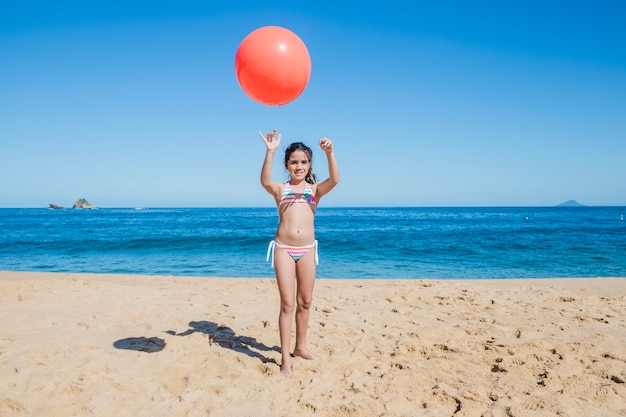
(385, 243)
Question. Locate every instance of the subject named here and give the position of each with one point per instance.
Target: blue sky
(438, 103)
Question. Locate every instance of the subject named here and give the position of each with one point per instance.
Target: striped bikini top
(289, 197)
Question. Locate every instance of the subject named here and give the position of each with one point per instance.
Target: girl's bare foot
(286, 371)
(303, 353)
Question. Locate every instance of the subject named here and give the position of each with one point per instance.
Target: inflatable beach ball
(273, 65)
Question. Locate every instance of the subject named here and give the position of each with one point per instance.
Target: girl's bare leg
(284, 267)
(305, 275)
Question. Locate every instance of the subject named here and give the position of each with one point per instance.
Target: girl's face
(298, 165)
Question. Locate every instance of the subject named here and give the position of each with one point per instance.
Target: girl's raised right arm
(272, 141)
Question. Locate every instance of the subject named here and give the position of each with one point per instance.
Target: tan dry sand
(70, 346)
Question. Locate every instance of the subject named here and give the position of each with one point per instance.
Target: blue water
(354, 242)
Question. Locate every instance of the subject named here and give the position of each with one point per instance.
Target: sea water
(413, 243)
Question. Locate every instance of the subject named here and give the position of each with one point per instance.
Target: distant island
(81, 203)
(571, 203)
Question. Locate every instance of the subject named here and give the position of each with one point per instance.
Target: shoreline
(5, 274)
(109, 344)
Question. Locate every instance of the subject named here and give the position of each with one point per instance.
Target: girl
(294, 249)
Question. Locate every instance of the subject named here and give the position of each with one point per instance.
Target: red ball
(273, 65)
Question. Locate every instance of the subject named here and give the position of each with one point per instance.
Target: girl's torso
(296, 212)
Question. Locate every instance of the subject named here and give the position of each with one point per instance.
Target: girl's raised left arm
(333, 170)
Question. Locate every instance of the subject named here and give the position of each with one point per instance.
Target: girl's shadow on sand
(223, 336)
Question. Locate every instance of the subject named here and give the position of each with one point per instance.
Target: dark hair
(299, 146)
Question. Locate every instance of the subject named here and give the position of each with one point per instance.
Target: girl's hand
(326, 145)
(272, 140)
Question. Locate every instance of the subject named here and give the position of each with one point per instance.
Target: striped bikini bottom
(296, 252)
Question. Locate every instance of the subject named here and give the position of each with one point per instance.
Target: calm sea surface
(353, 242)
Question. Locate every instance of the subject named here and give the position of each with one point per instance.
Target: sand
(127, 345)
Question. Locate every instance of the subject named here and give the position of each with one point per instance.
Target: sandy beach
(127, 345)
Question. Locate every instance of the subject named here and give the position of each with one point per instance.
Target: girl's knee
(287, 308)
(305, 303)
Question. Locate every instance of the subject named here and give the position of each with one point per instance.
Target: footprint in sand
(9, 406)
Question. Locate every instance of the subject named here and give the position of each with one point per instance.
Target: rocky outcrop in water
(81, 203)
